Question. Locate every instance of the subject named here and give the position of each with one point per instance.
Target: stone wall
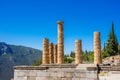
(59, 73)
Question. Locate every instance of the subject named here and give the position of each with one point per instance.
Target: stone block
(91, 76)
(42, 78)
(76, 79)
(68, 74)
(43, 74)
(79, 75)
(31, 78)
(21, 73)
(33, 73)
(55, 74)
(66, 78)
(20, 78)
(85, 66)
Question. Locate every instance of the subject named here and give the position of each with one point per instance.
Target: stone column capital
(60, 22)
(77, 40)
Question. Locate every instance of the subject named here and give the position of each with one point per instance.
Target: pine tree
(111, 48)
(119, 49)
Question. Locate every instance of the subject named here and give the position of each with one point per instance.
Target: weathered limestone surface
(60, 42)
(51, 57)
(45, 54)
(55, 53)
(109, 75)
(78, 52)
(97, 48)
(86, 66)
(53, 73)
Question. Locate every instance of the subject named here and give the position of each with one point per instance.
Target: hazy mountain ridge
(13, 55)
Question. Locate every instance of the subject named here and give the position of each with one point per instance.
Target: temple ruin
(53, 66)
(56, 52)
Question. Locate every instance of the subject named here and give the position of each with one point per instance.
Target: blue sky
(27, 22)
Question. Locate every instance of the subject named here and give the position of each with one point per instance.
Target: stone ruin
(97, 48)
(56, 54)
(78, 52)
(45, 57)
(53, 67)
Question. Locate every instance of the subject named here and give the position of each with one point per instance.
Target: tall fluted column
(55, 53)
(45, 53)
(60, 42)
(97, 48)
(51, 57)
(78, 52)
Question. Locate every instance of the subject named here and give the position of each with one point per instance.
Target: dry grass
(103, 73)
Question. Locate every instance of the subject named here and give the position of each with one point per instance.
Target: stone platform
(109, 75)
(56, 72)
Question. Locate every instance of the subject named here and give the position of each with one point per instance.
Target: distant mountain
(13, 55)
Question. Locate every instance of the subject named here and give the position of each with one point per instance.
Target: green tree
(72, 54)
(91, 56)
(119, 49)
(68, 60)
(85, 56)
(111, 47)
(37, 62)
(88, 56)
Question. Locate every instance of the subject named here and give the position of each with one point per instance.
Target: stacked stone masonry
(45, 56)
(55, 53)
(54, 74)
(60, 42)
(78, 52)
(51, 56)
(97, 48)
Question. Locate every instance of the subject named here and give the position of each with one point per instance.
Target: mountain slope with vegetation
(12, 55)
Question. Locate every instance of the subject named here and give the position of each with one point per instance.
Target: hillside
(12, 55)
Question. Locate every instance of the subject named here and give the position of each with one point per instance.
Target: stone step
(87, 67)
(30, 68)
(59, 65)
(116, 72)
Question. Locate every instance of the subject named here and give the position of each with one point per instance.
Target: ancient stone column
(97, 48)
(45, 53)
(60, 42)
(78, 52)
(51, 57)
(55, 53)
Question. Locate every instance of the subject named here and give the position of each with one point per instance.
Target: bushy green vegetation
(119, 49)
(72, 54)
(37, 62)
(69, 59)
(88, 56)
